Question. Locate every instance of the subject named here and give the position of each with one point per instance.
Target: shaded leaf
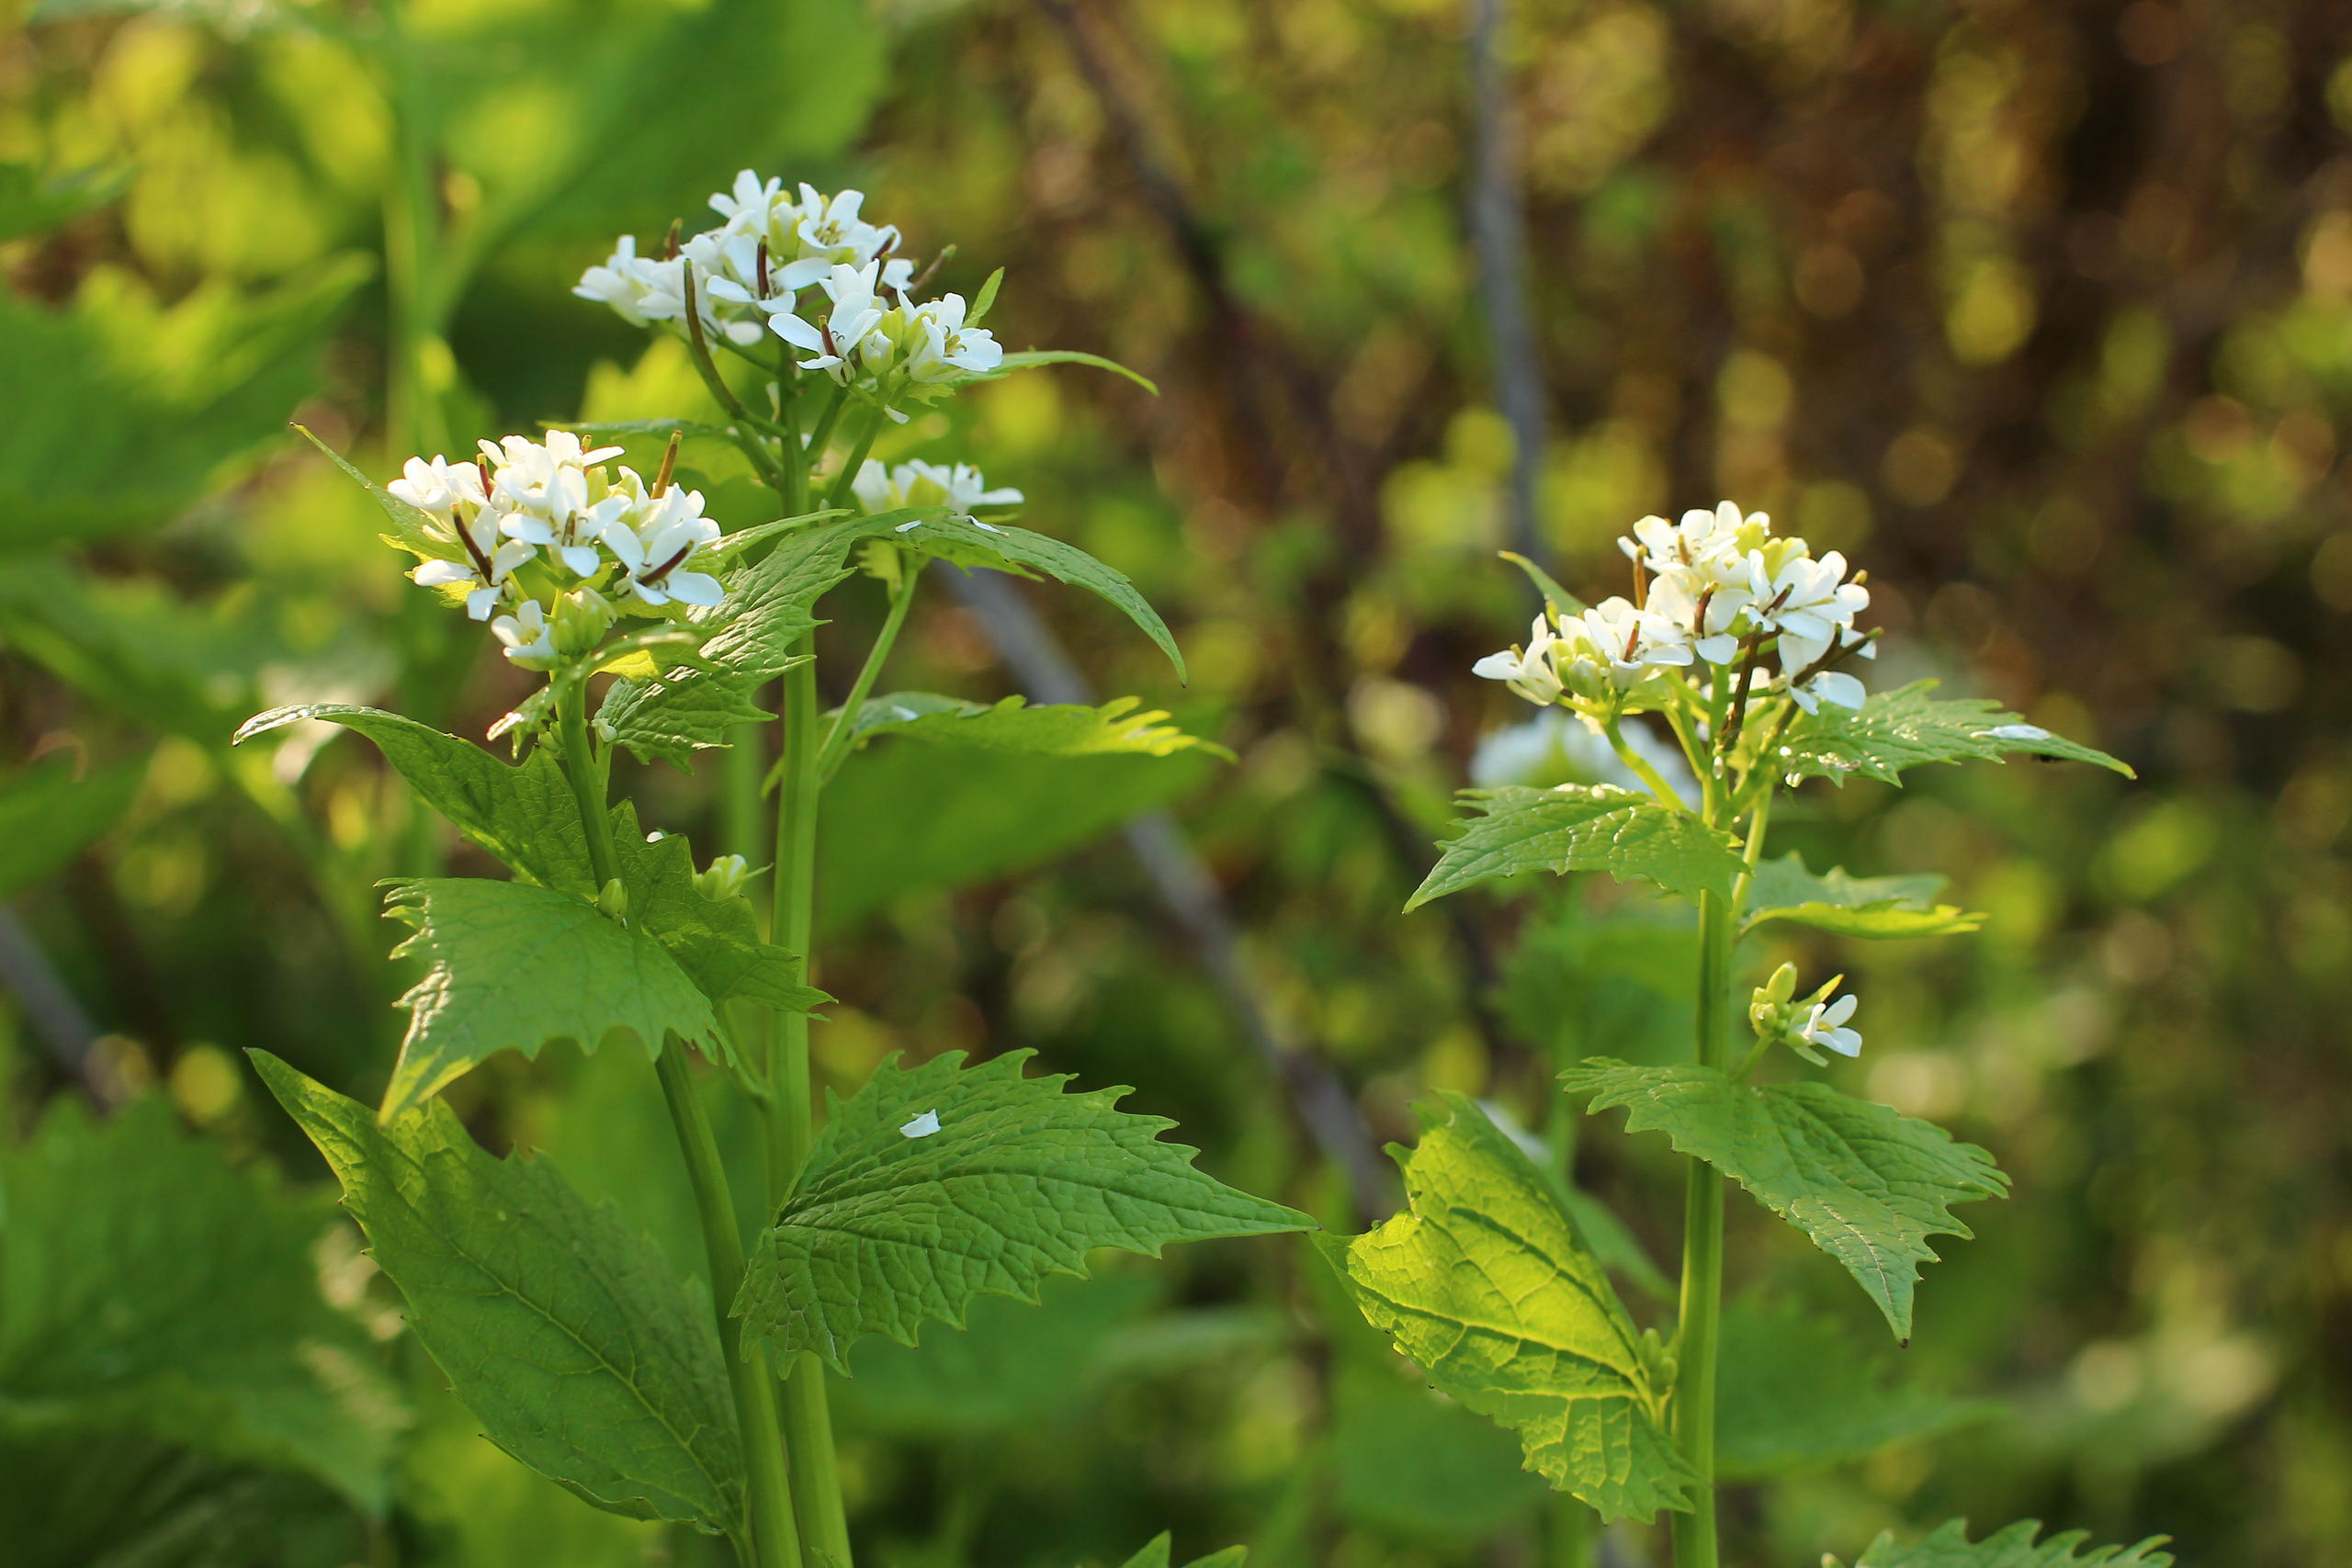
(562, 1330)
(1581, 827)
(1868, 1184)
(1793, 1392)
(1054, 730)
(1484, 1284)
(1905, 728)
(715, 941)
(2013, 1547)
(1853, 905)
(512, 967)
(48, 815)
(147, 1288)
(883, 1231)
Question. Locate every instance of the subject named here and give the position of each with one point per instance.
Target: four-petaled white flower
(528, 634)
(838, 347)
(1824, 1026)
(1807, 601)
(1529, 671)
(948, 350)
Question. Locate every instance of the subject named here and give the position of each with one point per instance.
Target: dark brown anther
(763, 269)
(670, 245)
(669, 463)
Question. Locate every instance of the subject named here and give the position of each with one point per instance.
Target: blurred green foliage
(2044, 314)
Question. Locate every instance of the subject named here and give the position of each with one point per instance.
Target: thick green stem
(1703, 1261)
(807, 1413)
(842, 481)
(776, 1533)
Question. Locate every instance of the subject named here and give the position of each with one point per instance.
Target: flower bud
(724, 879)
(614, 899)
(581, 618)
(1768, 1009)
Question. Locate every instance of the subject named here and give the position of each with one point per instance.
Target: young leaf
(886, 1228)
(1484, 1284)
(1905, 728)
(967, 543)
(414, 529)
(715, 941)
(1794, 1393)
(1868, 1184)
(1853, 905)
(48, 815)
(524, 815)
(513, 966)
(1558, 597)
(1036, 357)
(1582, 827)
(1055, 729)
(687, 710)
(562, 1330)
(2011, 1548)
(146, 1288)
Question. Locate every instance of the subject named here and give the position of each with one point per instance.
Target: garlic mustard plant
(1728, 673)
(658, 630)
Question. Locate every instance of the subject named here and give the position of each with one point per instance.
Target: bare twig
(48, 1004)
(1499, 233)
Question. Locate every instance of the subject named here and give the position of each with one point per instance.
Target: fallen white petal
(922, 1126)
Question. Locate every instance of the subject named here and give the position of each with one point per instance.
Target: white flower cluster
(541, 523)
(918, 484)
(748, 274)
(1715, 588)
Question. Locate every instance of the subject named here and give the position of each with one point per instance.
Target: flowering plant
(658, 633)
(1740, 645)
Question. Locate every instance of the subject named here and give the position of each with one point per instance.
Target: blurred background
(2041, 312)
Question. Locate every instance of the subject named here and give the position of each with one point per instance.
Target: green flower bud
(724, 879)
(614, 899)
(581, 618)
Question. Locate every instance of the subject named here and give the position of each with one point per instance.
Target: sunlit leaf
(1054, 730)
(1581, 827)
(1853, 905)
(1484, 1284)
(1905, 728)
(2013, 1547)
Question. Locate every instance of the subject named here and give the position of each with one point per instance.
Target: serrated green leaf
(562, 1330)
(1853, 905)
(140, 405)
(1484, 1284)
(1868, 1184)
(684, 711)
(526, 814)
(1906, 727)
(715, 941)
(48, 815)
(966, 542)
(512, 968)
(1582, 827)
(2011, 1548)
(1793, 1392)
(1030, 358)
(146, 1288)
(883, 1231)
(1054, 730)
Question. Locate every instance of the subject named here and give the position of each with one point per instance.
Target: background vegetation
(2042, 312)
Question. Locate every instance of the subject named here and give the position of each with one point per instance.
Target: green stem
(857, 460)
(822, 434)
(837, 740)
(776, 1533)
(1642, 770)
(807, 1413)
(1702, 1262)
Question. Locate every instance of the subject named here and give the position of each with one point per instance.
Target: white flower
(848, 325)
(642, 289)
(528, 634)
(1824, 1027)
(1556, 747)
(1530, 671)
(946, 349)
(1832, 686)
(437, 486)
(1631, 645)
(922, 1126)
(654, 544)
(918, 485)
(1701, 537)
(1807, 601)
(452, 494)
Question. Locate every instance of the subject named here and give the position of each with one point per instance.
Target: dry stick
(48, 1004)
(1197, 904)
(1355, 510)
(1498, 234)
